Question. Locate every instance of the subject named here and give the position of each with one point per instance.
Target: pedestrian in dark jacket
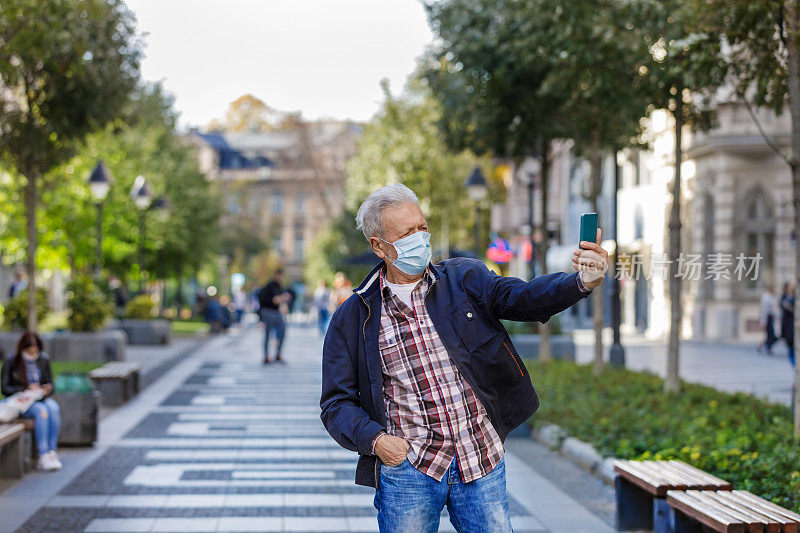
(273, 303)
(787, 319)
(421, 378)
(29, 369)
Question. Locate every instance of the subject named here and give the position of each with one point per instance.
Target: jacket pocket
(472, 329)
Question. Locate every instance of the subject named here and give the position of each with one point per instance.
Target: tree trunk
(30, 213)
(793, 25)
(672, 383)
(597, 295)
(545, 345)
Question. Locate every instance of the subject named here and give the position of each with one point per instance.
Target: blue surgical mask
(413, 252)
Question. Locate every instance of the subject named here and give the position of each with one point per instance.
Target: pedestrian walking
(769, 310)
(29, 369)
(342, 290)
(321, 303)
(240, 302)
(787, 319)
(428, 407)
(18, 285)
(273, 301)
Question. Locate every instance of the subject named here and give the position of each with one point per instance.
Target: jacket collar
(371, 285)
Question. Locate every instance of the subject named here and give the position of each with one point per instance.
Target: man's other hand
(591, 260)
(391, 450)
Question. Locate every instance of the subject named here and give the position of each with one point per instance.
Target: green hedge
(627, 415)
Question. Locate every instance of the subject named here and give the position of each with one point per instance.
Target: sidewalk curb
(579, 452)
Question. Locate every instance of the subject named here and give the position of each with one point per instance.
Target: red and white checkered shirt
(428, 403)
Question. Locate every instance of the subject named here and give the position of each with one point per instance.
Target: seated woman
(29, 369)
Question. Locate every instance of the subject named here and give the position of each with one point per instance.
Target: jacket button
(469, 315)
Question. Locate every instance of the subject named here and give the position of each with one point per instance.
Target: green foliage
(401, 144)
(181, 238)
(89, 307)
(16, 312)
(627, 415)
(141, 307)
(73, 367)
(66, 68)
(331, 248)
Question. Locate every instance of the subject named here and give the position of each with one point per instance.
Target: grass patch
(189, 327)
(83, 367)
(627, 415)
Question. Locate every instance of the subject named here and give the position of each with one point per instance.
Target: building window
(299, 248)
(277, 203)
(300, 203)
(277, 244)
(758, 231)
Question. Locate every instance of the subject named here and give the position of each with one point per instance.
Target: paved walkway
(222, 443)
(726, 366)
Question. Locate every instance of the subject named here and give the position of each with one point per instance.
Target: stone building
(281, 186)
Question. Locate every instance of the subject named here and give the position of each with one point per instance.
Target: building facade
(281, 186)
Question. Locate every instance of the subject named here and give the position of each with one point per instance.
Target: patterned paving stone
(235, 446)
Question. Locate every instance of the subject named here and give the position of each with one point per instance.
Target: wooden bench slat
(630, 471)
(671, 480)
(774, 523)
(714, 480)
(754, 524)
(9, 432)
(704, 513)
(687, 478)
(765, 505)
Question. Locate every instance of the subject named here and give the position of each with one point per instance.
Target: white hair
(369, 218)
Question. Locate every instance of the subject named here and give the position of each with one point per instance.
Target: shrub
(88, 306)
(141, 307)
(625, 414)
(16, 312)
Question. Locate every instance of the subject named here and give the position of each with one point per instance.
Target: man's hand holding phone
(591, 260)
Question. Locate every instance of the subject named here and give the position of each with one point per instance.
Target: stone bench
(642, 486)
(738, 511)
(11, 452)
(117, 382)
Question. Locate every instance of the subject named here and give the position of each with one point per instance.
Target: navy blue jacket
(466, 302)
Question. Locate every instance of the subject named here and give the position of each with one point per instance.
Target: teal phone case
(589, 227)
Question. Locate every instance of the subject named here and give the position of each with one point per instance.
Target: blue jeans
(46, 417)
(273, 320)
(409, 501)
(322, 321)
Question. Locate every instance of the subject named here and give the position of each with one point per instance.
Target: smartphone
(588, 227)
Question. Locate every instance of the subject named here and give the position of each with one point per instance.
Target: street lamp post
(531, 193)
(142, 198)
(99, 184)
(477, 191)
(616, 354)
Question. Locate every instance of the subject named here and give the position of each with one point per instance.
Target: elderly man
(420, 377)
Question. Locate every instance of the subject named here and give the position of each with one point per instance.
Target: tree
(684, 66)
(248, 114)
(65, 68)
(401, 144)
(488, 76)
(763, 65)
(596, 68)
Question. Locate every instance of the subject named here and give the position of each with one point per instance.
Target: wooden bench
(11, 450)
(117, 382)
(642, 486)
(738, 511)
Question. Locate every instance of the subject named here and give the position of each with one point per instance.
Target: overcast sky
(324, 58)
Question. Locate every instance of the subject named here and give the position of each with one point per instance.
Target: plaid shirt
(427, 401)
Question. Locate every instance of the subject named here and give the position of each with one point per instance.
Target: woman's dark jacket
(12, 379)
